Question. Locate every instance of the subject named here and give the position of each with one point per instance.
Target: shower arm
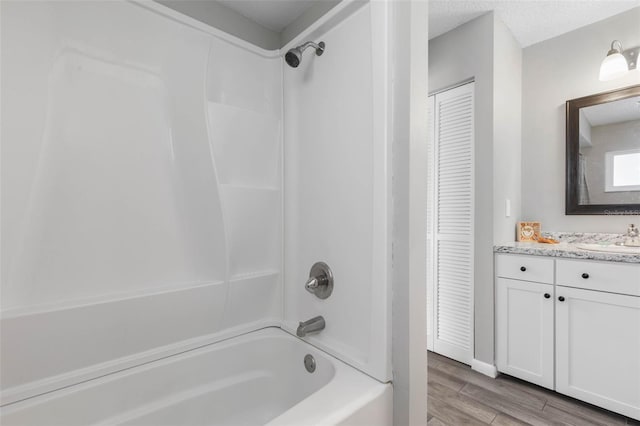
(319, 47)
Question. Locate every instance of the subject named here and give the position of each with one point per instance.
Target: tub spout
(310, 326)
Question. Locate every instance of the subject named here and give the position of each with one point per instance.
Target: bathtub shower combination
(194, 230)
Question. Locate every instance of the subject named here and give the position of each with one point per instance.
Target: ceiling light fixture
(618, 62)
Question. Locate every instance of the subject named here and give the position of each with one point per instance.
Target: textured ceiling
(530, 21)
(274, 15)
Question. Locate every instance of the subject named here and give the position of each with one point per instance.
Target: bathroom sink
(610, 248)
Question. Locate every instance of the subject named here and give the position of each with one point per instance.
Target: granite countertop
(567, 247)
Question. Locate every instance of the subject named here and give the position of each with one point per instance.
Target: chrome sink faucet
(632, 237)
(310, 326)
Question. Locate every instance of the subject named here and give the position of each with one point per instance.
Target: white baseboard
(484, 368)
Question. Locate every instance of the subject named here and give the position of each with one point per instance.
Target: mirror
(603, 153)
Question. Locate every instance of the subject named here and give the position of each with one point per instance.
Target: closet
(450, 223)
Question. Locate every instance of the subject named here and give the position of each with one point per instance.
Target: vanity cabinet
(586, 334)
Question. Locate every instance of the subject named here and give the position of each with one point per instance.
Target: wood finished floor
(461, 396)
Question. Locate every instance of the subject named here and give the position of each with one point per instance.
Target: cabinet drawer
(622, 278)
(528, 268)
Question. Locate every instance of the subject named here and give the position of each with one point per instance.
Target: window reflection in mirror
(622, 171)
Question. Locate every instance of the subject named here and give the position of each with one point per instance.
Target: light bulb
(614, 65)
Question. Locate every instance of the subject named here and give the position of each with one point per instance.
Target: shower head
(294, 56)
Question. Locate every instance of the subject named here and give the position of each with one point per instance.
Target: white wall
(337, 189)
(554, 71)
(507, 132)
(507, 143)
(133, 162)
(409, 132)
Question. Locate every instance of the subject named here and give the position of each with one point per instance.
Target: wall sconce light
(618, 62)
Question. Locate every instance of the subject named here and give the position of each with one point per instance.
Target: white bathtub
(254, 379)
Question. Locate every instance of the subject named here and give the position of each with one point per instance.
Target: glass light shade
(613, 66)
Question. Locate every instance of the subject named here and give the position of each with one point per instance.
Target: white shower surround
(337, 185)
(203, 266)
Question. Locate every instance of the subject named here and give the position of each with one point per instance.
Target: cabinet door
(524, 328)
(598, 348)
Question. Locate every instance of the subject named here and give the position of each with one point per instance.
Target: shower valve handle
(320, 280)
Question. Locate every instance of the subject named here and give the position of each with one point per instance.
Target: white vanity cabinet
(592, 316)
(524, 318)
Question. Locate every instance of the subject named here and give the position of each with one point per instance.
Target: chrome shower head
(294, 56)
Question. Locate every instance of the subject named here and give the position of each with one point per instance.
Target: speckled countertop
(567, 247)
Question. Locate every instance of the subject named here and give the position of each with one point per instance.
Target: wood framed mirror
(603, 153)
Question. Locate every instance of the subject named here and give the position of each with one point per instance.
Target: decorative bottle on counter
(632, 236)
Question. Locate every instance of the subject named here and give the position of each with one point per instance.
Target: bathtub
(259, 378)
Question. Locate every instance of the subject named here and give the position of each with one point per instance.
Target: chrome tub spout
(313, 325)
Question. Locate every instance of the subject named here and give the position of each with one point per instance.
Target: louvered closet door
(454, 137)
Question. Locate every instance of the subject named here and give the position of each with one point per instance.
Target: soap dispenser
(632, 237)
